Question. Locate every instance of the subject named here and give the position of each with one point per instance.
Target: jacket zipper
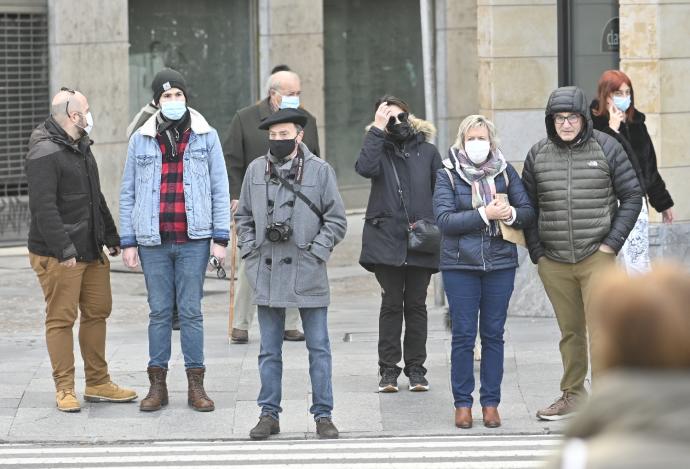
(482, 250)
(570, 205)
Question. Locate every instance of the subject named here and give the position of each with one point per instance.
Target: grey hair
(273, 84)
(57, 109)
(299, 128)
(475, 120)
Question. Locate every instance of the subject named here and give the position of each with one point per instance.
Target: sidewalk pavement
(27, 407)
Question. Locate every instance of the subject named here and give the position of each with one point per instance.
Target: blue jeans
(272, 327)
(175, 272)
(469, 292)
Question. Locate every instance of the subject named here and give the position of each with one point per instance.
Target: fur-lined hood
(420, 126)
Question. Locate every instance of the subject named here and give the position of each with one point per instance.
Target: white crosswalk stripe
(434, 452)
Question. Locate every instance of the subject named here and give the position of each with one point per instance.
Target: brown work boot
(239, 336)
(563, 408)
(67, 401)
(196, 396)
(293, 335)
(108, 392)
(463, 417)
(491, 417)
(158, 392)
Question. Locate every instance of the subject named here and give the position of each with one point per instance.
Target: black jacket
(585, 192)
(69, 215)
(635, 139)
(384, 239)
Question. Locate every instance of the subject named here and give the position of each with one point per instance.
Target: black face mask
(282, 148)
(399, 132)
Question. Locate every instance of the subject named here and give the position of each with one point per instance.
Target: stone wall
(89, 43)
(291, 32)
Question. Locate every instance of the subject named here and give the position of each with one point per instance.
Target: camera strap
(294, 188)
(301, 196)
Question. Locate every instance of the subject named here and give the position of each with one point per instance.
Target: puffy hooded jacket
(585, 191)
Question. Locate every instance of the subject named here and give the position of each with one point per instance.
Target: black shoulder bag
(422, 236)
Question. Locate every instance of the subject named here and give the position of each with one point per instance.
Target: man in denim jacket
(174, 209)
(289, 218)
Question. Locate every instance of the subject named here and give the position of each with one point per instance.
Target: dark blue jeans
(470, 292)
(272, 327)
(175, 272)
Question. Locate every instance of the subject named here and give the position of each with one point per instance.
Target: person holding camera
(398, 157)
(174, 213)
(289, 217)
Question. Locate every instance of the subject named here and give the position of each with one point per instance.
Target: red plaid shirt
(173, 217)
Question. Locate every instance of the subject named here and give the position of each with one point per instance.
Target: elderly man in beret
(289, 218)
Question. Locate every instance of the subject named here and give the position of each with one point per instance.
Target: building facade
(447, 58)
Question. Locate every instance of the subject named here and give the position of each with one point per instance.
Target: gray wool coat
(290, 274)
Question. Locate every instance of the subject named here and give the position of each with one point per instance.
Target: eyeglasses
(70, 91)
(215, 263)
(571, 118)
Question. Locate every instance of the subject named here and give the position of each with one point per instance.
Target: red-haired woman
(614, 112)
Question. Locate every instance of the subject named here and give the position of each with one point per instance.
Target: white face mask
(89, 123)
(477, 150)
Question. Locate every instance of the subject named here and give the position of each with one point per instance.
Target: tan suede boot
(196, 395)
(158, 392)
(67, 401)
(108, 392)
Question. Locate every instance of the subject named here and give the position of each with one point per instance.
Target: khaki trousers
(569, 288)
(85, 286)
(245, 310)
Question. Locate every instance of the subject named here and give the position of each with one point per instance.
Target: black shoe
(326, 429)
(176, 320)
(389, 379)
(266, 427)
(418, 382)
(293, 335)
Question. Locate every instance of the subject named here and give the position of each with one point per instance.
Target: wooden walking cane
(233, 271)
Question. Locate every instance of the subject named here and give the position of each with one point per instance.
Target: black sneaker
(389, 379)
(326, 429)
(418, 382)
(266, 427)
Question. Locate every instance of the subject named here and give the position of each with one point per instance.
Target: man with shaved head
(70, 224)
(245, 143)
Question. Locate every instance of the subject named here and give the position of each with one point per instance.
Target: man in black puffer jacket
(587, 199)
(70, 223)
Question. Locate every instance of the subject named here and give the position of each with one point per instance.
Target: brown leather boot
(491, 417)
(463, 417)
(196, 396)
(158, 392)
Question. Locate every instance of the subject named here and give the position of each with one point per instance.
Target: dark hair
(280, 68)
(392, 100)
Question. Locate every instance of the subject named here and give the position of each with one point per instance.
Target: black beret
(295, 116)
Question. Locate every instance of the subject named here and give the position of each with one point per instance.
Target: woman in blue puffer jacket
(477, 264)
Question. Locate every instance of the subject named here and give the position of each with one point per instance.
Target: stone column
(654, 53)
(291, 32)
(456, 67)
(88, 43)
(518, 69)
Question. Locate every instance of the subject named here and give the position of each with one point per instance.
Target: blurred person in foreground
(639, 413)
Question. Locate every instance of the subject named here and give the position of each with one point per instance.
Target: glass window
(371, 48)
(591, 42)
(24, 103)
(209, 43)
